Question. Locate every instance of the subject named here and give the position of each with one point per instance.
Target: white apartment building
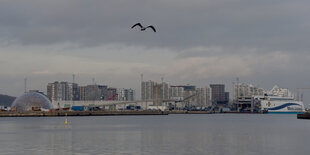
(147, 90)
(62, 91)
(247, 90)
(176, 93)
(126, 94)
(203, 97)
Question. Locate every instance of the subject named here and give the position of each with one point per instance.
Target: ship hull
(285, 112)
(283, 106)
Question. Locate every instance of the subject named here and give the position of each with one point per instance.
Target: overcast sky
(197, 42)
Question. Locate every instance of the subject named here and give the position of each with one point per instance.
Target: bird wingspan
(138, 24)
(152, 27)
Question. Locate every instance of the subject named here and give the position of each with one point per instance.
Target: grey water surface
(211, 134)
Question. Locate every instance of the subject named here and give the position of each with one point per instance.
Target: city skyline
(154, 77)
(26, 87)
(197, 43)
(164, 90)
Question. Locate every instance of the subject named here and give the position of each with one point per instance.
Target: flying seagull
(144, 28)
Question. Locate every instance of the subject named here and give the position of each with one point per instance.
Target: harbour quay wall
(303, 116)
(189, 112)
(78, 113)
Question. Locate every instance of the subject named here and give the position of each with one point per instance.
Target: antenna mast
(93, 81)
(25, 84)
(73, 78)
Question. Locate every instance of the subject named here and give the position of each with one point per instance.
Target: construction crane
(186, 98)
(115, 95)
(298, 95)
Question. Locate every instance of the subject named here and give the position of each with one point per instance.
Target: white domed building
(31, 99)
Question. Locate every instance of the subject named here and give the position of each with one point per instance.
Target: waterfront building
(189, 87)
(160, 93)
(103, 92)
(131, 95)
(61, 91)
(203, 97)
(180, 92)
(126, 94)
(245, 97)
(165, 90)
(157, 94)
(189, 90)
(147, 90)
(151, 90)
(247, 90)
(32, 101)
(112, 94)
(82, 93)
(73, 90)
(176, 92)
(219, 96)
(188, 93)
(93, 92)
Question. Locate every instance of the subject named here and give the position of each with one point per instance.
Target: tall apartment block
(176, 92)
(219, 96)
(156, 92)
(126, 94)
(62, 91)
(203, 97)
(180, 92)
(189, 90)
(93, 92)
(247, 90)
(74, 94)
(147, 90)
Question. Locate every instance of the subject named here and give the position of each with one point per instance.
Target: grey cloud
(276, 25)
(99, 30)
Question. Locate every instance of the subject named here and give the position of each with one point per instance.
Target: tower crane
(298, 95)
(113, 97)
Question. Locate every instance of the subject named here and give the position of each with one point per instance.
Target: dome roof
(31, 99)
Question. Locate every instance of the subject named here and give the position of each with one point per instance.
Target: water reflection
(172, 134)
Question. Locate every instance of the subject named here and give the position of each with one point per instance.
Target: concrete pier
(303, 116)
(189, 112)
(113, 113)
(78, 113)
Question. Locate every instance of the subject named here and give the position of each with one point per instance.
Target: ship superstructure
(281, 100)
(276, 104)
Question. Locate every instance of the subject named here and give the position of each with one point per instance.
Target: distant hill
(6, 100)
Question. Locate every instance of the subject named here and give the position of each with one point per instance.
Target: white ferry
(277, 104)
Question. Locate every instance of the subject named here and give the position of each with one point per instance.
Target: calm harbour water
(216, 134)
